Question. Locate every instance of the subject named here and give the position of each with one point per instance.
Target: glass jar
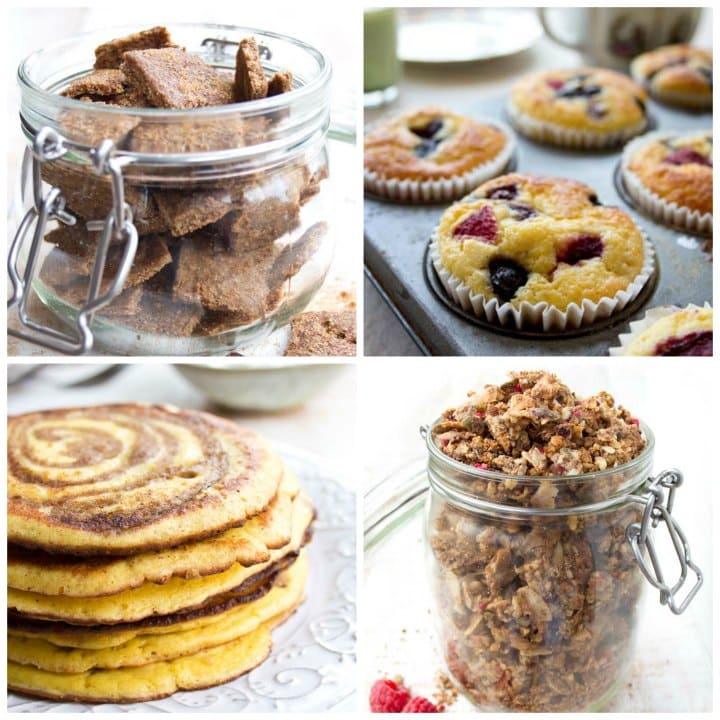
(537, 580)
(165, 231)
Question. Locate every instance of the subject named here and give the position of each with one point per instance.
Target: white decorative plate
(312, 667)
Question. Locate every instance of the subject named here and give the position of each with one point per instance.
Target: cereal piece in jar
(281, 82)
(110, 54)
(185, 211)
(97, 84)
(250, 80)
(322, 333)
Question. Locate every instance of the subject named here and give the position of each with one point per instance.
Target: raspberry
(694, 343)
(420, 705)
(685, 156)
(582, 247)
(386, 696)
(480, 224)
(522, 211)
(555, 84)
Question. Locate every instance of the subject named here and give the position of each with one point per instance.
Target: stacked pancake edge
(151, 550)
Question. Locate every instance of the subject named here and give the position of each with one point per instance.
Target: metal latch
(49, 145)
(658, 502)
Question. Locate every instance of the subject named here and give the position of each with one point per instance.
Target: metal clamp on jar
(536, 605)
(171, 231)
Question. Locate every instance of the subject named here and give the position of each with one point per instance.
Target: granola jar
(148, 230)
(537, 580)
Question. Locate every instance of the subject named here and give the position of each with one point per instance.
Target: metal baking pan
(397, 236)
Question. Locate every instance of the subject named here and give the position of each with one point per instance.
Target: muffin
(433, 155)
(670, 177)
(579, 108)
(670, 331)
(677, 75)
(539, 252)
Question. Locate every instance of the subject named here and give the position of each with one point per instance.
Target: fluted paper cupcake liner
(444, 189)
(528, 315)
(637, 327)
(555, 134)
(667, 213)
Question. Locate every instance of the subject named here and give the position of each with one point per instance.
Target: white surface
(673, 664)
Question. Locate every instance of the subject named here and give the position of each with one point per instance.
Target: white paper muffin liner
(667, 213)
(536, 315)
(637, 327)
(554, 134)
(445, 189)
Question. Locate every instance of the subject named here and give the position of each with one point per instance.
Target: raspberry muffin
(537, 251)
(670, 331)
(580, 108)
(432, 155)
(678, 75)
(670, 177)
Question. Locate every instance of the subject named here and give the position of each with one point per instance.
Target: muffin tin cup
(637, 327)
(541, 315)
(548, 132)
(667, 213)
(445, 189)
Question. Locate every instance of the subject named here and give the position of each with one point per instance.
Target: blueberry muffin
(671, 331)
(529, 243)
(581, 108)
(670, 177)
(431, 155)
(677, 75)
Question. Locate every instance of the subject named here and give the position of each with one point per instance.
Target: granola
(537, 612)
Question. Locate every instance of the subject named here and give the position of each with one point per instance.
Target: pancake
(284, 597)
(150, 599)
(148, 682)
(48, 574)
(128, 478)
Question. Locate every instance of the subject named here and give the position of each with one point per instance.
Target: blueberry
(503, 192)
(595, 110)
(506, 277)
(573, 89)
(593, 198)
(428, 131)
(641, 104)
(521, 211)
(694, 343)
(426, 147)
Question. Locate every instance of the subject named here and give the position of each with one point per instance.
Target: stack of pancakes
(150, 550)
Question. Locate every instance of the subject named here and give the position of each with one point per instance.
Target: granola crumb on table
(536, 613)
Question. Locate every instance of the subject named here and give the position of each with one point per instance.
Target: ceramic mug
(612, 37)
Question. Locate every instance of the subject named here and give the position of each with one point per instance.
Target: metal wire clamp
(49, 145)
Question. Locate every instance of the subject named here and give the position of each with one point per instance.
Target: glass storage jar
(169, 231)
(537, 580)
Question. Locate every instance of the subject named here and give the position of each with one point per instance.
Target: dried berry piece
(522, 211)
(480, 224)
(693, 344)
(503, 192)
(506, 277)
(582, 247)
(250, 80)
(686, 156)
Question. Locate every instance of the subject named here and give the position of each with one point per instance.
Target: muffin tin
(397, 236)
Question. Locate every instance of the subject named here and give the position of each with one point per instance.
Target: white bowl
(268, 385)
